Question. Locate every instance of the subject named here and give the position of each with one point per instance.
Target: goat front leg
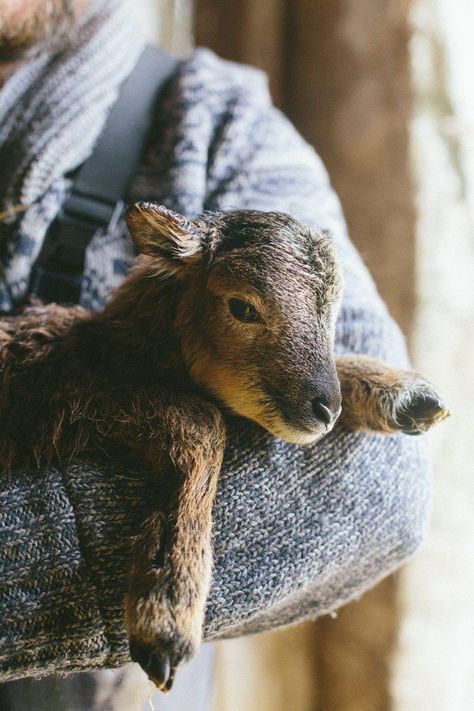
(377, 397)
(172, 558)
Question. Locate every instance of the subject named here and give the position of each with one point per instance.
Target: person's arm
(297, 530)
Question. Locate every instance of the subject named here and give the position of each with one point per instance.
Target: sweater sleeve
(297, 531)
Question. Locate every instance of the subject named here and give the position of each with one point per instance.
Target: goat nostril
(322, 411)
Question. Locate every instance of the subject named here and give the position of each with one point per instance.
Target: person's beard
(36, 27)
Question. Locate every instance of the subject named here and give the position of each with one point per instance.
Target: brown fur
(230, 311)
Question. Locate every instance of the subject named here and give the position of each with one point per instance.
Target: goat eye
(243, 311)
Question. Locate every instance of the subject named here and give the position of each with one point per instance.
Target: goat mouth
(283, 421)
(291, 414)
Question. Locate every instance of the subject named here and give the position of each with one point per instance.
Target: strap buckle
(100, 184)
(58, 287)
(57, 274)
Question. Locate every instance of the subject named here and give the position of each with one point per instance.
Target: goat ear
(161, 233)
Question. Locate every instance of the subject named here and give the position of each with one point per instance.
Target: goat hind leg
(377, 397)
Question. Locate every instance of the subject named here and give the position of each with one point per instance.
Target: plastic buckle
(57, 273)
(55, 286)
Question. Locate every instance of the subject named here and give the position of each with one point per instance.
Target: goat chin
(292, 435)
(276, 425)
(245, 403)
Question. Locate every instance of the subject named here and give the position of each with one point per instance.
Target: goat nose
(322, 410)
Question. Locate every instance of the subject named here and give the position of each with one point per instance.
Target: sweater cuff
(51, 618)
(65, 540)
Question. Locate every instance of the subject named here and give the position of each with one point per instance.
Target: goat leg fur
(377, 397)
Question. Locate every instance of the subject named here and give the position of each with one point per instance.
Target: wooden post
(249, 31)
(340, 70)
(348, 92)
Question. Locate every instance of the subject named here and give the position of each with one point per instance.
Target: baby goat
(232, 311)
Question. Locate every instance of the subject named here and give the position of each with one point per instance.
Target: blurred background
(383, 89)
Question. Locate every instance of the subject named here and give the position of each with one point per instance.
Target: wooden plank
(245, 31)
(355, 652)
(273, 671)
(348, 92)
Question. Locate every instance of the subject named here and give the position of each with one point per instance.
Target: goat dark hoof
(423, 411)
(158, 668)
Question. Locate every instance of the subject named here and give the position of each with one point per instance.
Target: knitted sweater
(297, 531)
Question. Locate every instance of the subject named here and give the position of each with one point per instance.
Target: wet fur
(155, 369)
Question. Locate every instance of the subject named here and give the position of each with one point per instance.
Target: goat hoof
(158, 668)
(423, 410)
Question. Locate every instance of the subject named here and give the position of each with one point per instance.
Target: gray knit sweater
(297, 530)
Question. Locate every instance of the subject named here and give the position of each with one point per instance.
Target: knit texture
(51, 112)
(298, 531)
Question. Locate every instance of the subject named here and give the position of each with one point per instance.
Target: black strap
(96, 201)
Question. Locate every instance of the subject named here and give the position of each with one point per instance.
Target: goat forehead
(276, 255)
(296, 276)
(246, 228)
(265, 230)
